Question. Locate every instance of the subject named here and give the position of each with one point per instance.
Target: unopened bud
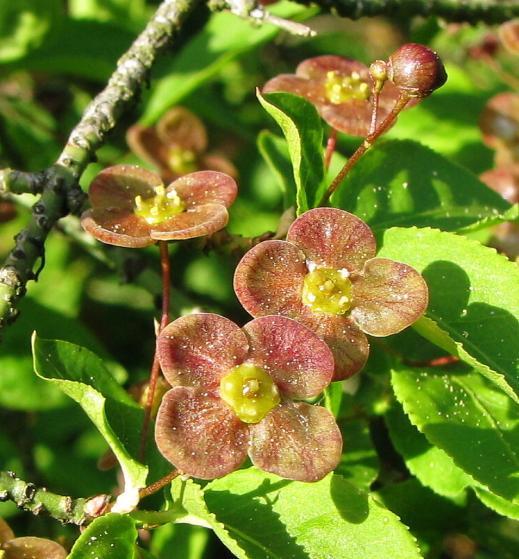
(416, 70)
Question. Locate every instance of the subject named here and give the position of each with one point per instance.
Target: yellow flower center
(159, 207)
(250, 392)
(181, 161)
(327, 290)
(340, 89)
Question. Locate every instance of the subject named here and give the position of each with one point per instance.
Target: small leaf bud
(416, 70)
(378, 71)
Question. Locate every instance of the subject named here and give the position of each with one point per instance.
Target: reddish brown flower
(505, 181)
(131, 207)
(325, 275)
(177, 146)
(499, 123)
(340, 89)
(27, 547)
(233, 392)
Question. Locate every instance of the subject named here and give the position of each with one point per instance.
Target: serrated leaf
(111, 536)
(469, 418)
(275, 152)
(498, 504)
(473, 299)
(403, 183)
(224, 38)
(81, 375)
(272, 518)
(431, 465)
(190, 496)
(303, 131)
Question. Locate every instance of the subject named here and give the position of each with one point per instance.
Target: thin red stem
(330, 148)
(155, 367)
(159, 484)
(366, 144)
(374, 111)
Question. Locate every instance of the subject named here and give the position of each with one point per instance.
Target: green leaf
(112, 536)
(469, 418)
(473, 307)
(302, 128)
(498, 504)
(275, 152)
(403, 183)
(359, 462)
(223, 39)
(128, 13)
(274, 518)
(179, 540)
(81, 375)
(431, 465)
(24, 24)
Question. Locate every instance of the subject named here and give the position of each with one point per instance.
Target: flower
(233, 392)
(176, 145)
(131, 207)
(325, 276)
(499, 123)
(27, 547)
(340, 89)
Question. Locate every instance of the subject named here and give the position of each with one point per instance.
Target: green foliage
(301, 125)
(111, 536)
(269, 517)
(473, 299)
(403, 183)
(469, 418)
(81, 375)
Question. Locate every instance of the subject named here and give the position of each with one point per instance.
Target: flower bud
(378, 70)
(416, 70)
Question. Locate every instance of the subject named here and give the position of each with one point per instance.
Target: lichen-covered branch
(38, 500)
(59, 184)
(19, 182)
(473, 11)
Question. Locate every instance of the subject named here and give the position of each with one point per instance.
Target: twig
(37, 500)
(473, 11)
(61, 194)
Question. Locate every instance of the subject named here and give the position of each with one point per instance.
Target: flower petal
(205, 187)
(199, 434)
(145, 143)
(296, 441)
(180, 127)
(388, 296)
(353, 117)
(198, 349)
(215, 161)
(333, 238)
(196, 222)
(300, 363)
(349, 345)
(117, 186)
(33, 548)
(6, 533)
(117, 227)
(269, 279)
(317, 67)
(290, 83)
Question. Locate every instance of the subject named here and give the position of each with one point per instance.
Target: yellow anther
(181, 161)
(160, 206)
(327, 290)
(340, 89)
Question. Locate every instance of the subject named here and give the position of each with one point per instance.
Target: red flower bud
(416, 69)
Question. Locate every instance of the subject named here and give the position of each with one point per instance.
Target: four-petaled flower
(233, 392)
(325, 276)
(340, 89)
(131, 207)
(176, 145)
(27, 547)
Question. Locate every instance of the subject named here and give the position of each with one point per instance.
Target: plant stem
(164, 320)
(374, 112)
(366, 144)
(473, 11)
(61, 193)
(158, 485)
(37, 500)
(330, 148)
